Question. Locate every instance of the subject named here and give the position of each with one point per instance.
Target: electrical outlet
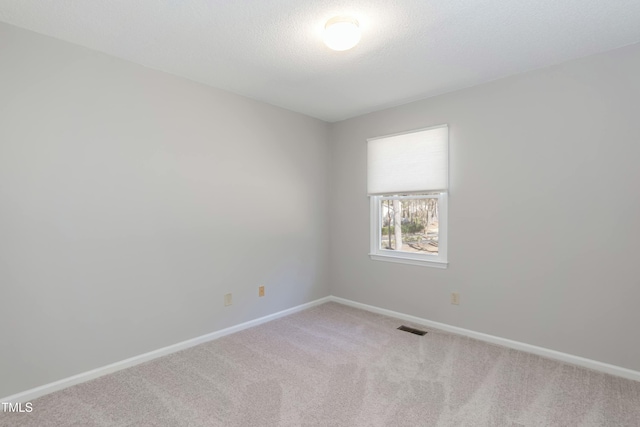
(227, 299)
(455, 298)
(261, 291)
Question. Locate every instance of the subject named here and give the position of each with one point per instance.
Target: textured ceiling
(271, 50)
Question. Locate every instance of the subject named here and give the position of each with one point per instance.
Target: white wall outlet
(227, 299)
(455, 298)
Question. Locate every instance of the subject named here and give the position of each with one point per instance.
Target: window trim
(378, 254)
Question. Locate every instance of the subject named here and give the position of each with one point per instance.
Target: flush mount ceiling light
(341, 33)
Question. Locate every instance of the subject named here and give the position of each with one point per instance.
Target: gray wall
(544, 210)
(132, 200)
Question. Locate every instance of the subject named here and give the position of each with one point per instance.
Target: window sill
(411, 261)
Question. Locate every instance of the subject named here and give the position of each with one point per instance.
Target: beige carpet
(334, 365)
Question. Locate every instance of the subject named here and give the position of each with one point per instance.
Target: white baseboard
(540, 351)
(34, 393)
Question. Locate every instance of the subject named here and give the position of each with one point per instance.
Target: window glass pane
(409, 225)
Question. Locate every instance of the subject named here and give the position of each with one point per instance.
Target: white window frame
(429, 260)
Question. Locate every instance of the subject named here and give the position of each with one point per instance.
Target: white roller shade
(409, 163)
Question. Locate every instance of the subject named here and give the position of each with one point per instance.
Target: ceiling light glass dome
(341, 33)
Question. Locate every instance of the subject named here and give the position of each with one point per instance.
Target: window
(407, 178)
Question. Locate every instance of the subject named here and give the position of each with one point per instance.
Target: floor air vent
(412, 330)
